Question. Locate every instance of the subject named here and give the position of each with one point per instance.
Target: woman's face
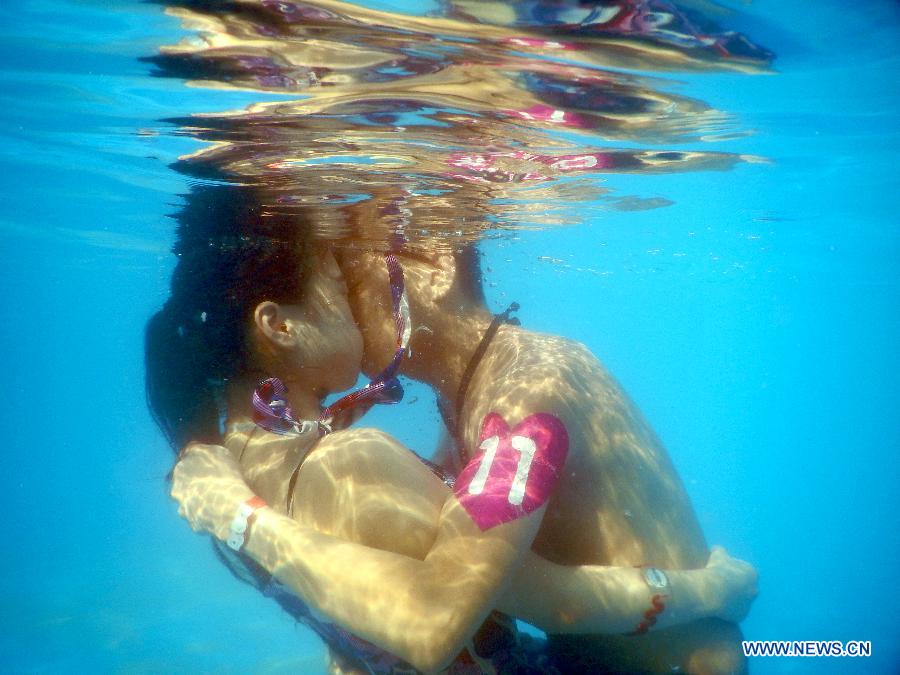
(328, 349)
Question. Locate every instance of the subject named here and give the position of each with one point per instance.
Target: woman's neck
(305, 403)
(267, 460)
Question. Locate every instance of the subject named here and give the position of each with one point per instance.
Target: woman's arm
(421, 610)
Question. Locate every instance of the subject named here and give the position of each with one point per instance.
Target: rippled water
(516, 109)
(707, 198)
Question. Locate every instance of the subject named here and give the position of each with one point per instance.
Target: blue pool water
(754, 320)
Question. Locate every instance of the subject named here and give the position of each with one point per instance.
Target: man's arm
(594, 599)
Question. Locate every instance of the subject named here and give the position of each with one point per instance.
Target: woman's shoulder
(368, 457)
(247, 440)
(358, 437)
(361, 446)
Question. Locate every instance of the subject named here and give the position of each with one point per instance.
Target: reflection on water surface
(480, 116)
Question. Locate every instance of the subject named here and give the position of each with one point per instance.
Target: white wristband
(237, 535)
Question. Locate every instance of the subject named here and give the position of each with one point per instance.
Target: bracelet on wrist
(243, 519)
(658, 583)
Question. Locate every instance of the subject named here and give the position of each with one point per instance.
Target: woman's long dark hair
(231, 257)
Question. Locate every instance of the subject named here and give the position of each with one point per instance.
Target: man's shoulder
(554, 354)
(539, 372)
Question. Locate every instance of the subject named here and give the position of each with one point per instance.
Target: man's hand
(739, 581)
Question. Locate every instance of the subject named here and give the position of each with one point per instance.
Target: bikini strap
(471, 367)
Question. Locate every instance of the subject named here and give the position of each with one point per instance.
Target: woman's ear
(273, 325)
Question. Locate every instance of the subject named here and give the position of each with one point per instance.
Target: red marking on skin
(650, 616)
(515, 470)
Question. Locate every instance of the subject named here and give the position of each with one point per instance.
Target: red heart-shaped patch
(514, 471)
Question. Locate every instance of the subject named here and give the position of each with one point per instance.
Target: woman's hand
(208, 485)
(736, 587)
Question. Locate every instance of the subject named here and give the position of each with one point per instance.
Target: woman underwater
(248, 300)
